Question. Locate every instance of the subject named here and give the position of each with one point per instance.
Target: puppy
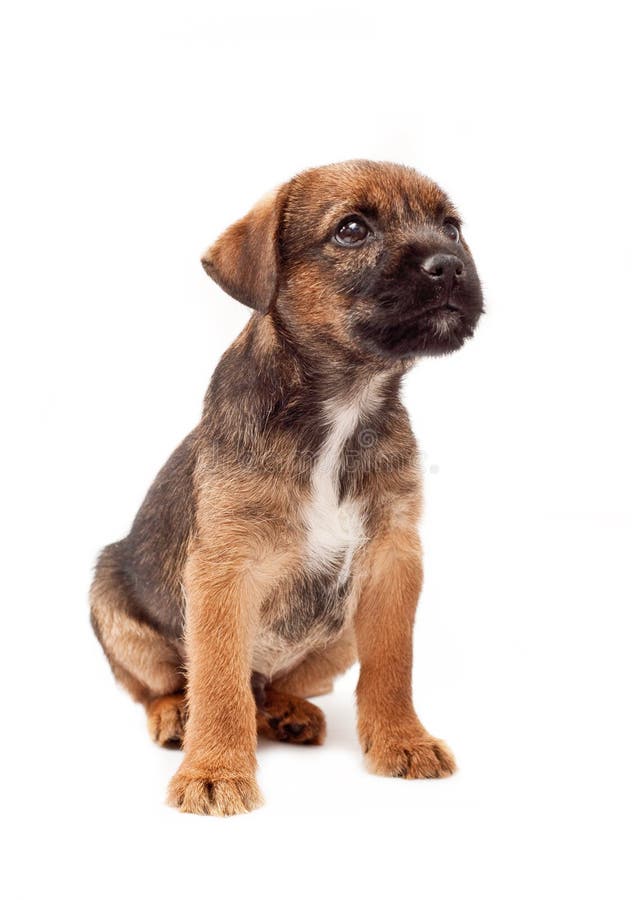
(280, 542)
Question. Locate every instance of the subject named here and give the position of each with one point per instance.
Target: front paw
(410, 755)
(195, 792)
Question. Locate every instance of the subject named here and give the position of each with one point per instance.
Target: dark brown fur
(213, 576)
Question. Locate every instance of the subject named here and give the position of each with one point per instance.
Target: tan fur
(147, 664)
(166, 719)
(294, 720)
(392, 737)
(244, 259)
(230, 568)
(315, 674)
(224, 588)
(280, 541)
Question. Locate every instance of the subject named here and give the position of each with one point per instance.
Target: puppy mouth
(435, 327)
(420, 303)
(403, 313)
(446, 309)
(448, 306)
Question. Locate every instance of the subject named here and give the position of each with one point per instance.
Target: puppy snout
(444, 268)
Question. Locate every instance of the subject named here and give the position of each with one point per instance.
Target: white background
(133, 133)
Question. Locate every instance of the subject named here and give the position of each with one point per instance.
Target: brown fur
(166, 719)
(282, 717)
(221, 575)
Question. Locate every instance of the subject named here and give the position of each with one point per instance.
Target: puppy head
(368, 256)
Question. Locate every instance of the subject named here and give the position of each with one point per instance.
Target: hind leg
(149, 668)
(146, 663)
(315, 674)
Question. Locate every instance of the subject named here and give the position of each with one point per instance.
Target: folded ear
(244, 261)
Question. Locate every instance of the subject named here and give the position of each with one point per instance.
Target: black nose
(443, 267)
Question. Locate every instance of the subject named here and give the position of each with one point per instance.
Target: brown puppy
(280, 540)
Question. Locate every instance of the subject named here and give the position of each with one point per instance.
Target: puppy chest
(333, 525)
(333, 533)
(310, 607)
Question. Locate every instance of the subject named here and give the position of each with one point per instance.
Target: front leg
(392, 737)
(217, 775)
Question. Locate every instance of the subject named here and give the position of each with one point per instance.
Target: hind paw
(166, 720)
(291, 720)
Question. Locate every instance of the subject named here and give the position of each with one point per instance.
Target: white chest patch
(335, 529)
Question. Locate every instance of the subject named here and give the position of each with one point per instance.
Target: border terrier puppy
(280, 542)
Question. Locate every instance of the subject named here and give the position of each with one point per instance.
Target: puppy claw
(206, 796)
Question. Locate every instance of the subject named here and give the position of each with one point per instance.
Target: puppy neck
(327, 369)
(265, 385)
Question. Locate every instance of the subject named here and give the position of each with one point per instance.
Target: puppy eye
(451, 230)
(352, 231)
